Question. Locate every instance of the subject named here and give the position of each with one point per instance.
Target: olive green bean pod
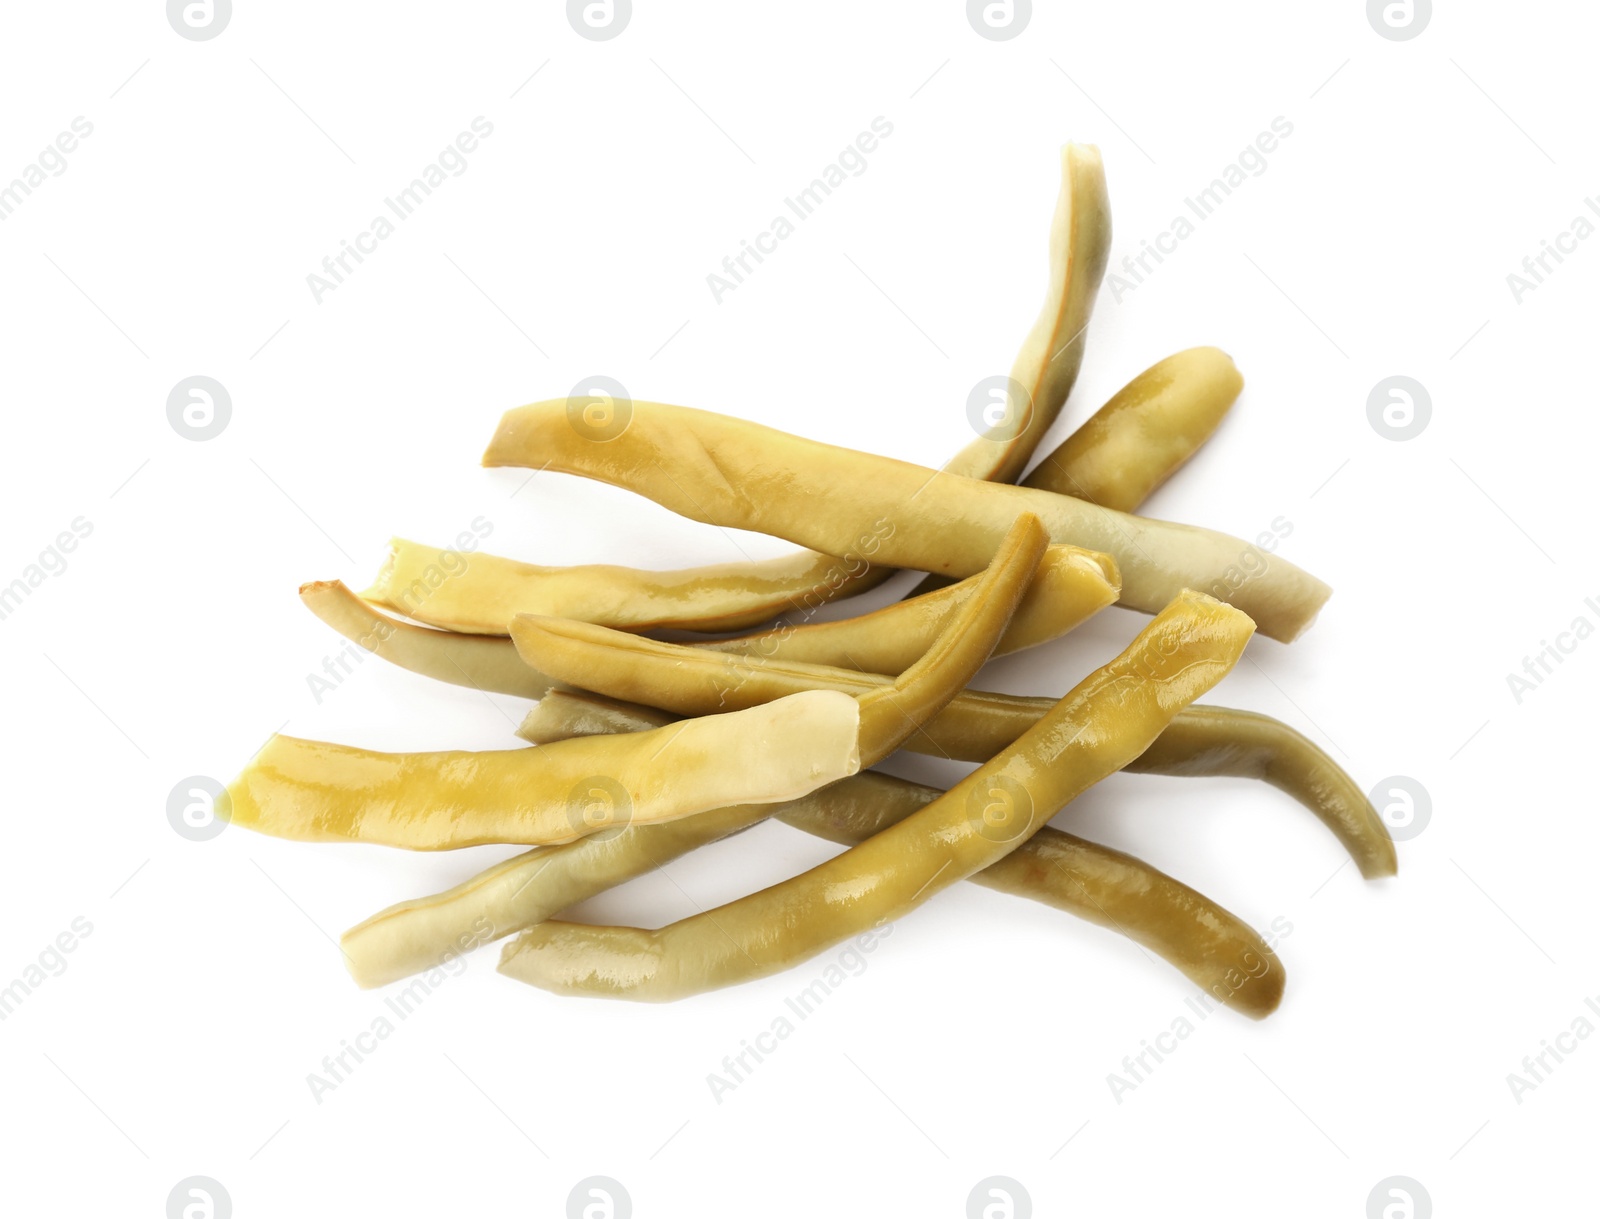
(489, 590)
(415, 935)
(1218, 741)
(1116, 459)
(483, 662)
(737, 474)
(1213, 947)
(1149, 428)
(1070, 586)
(1105, 722)
(1047, 366)
(897, 709)
(1139, 438)
(314, 791)
(568, 713)
(1111, 889)
(974, 726)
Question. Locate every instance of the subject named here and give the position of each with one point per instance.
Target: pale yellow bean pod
(315, 791)
(737, 474)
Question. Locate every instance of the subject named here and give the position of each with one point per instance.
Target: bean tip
(1382, 863)
(1260, 997)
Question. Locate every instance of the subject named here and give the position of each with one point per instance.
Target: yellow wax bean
(1047, 366)
(416, 935)
(319, 792)
(737, 474)
(484, 592)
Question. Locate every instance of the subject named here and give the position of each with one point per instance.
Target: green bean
(1150, 427)
(483, 592)
(1047, 366)
(1070, 586)
(1212, 947)
(1185, 928)
(1138, 439)
(413, 936)
(898, 708)
(974, 726)
(483, 662)
(562, 714)
(488, 591)
(1116, 459)
(1105, 722)
(736, 474)
(314, 791)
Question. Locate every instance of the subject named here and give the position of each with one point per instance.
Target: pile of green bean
(639, 750)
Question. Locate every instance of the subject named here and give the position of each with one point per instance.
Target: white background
(177, 242)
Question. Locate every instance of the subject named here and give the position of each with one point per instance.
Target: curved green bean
(737, 474)
(1105, 722)
(1070, 586)
(483, 595)
(1144, 433)
(314, 791)
(411, 937)
(1047, 366)
(974, 726)
(1214, 948)
(1114, 890)
(484, 662)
